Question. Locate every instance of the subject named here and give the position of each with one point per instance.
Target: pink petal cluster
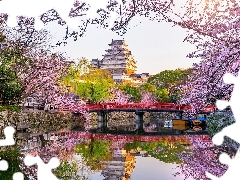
(204, 156)
(62, 148)
(206, 85)
(120, 97)
(147, 97)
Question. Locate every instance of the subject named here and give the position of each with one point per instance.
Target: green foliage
(217, 121)
(67, 171)
(88, 83)
(14, 108)
(163, 151)
(94, 151)
(133, 91)
(10, 108)
(133, 145)
(3, 108)
(147, 87)
(11, 62)
(162, 95)
(10, 88)
(168, 154)
(12, 157)
(75, 72)
(169, 80)
(95, 86)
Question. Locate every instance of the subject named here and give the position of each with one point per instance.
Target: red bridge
(131, 107)
(139, 108)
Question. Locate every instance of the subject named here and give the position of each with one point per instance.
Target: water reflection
(203, 156)
(87, 155)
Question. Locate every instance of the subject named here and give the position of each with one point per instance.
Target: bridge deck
(144, 107)
(131, 107)
(134, 110)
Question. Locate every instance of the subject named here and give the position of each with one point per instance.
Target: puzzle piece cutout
(233, 169)
(30, 8)
(3, 165)
(231, 131)
(44, 170)
(8, 141)
(18, 176)
(101, 4)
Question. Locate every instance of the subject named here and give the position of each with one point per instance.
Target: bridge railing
(150, 105)
(164, 106)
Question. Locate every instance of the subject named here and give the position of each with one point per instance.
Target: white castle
(120, 63)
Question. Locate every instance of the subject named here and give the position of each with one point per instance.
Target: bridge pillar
(102, 121)
(139, 122)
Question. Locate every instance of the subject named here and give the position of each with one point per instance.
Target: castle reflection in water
(122, 161)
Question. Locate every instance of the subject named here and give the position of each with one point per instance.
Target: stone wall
(37, 122)
(40, 122)
(128, 118)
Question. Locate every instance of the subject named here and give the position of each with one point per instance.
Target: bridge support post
(102, 121)
(139, 122)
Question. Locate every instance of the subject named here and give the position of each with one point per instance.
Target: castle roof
(139, 75)
(136, 75)
(117, 42)
(95, 60)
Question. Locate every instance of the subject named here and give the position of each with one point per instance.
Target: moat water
(106, 156)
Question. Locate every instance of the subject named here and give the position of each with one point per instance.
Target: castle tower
(118, 61)
(121, 165)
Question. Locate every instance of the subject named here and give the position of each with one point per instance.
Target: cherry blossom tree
(43, 78)
(124, 13)
(214, 29)
(38, 70)
(62, 149)
(212, 18)
(120, 97)
(147, 97)
(204, 157)
(206, 85)
(25, 39)
(212, 25)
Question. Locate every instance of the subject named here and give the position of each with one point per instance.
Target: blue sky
(155, 46)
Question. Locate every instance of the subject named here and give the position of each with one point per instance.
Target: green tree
(95, 86)
(133, 91)
(163, 151)
(147, 87)
(67, 171)
(94, 152)
(12, 157)
(11, 62)
(75, 73)
(170, 80)
(87, 82)
(162, 95)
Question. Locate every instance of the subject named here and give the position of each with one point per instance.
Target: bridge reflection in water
(109, 156)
